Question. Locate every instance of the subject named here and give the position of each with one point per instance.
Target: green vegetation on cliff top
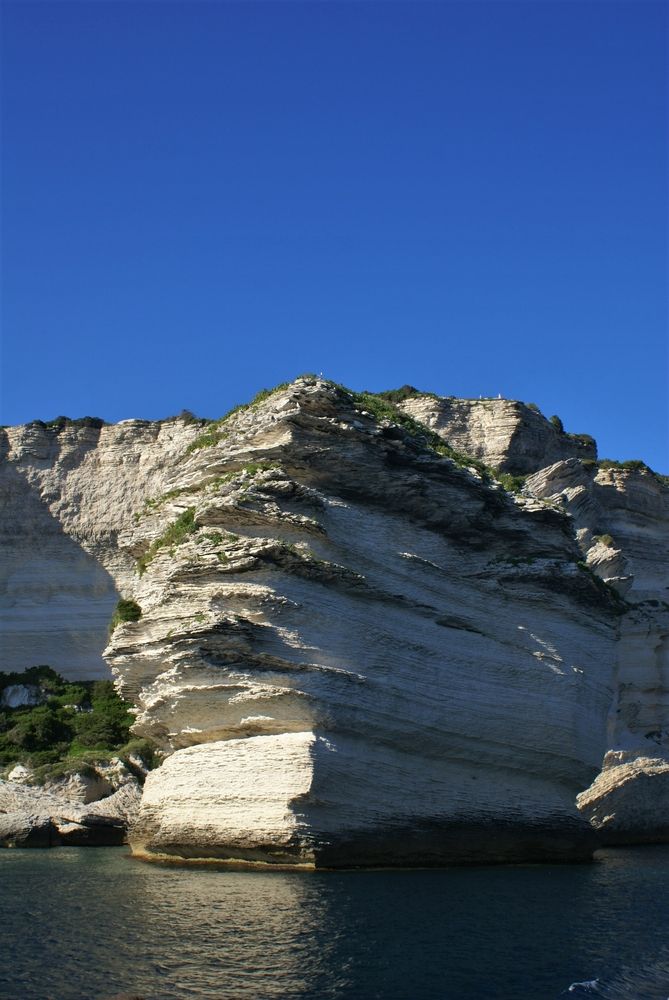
(216, 433)
(59, 424)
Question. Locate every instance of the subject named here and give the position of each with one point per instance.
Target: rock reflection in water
(255, 932)
(91, 924)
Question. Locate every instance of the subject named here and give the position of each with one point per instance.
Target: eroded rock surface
(628, 803)
(503, 433)
(418, 648)
(353, 650)
(621, 518)
(92, 808)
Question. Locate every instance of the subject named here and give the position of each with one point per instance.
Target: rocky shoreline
(85, 810)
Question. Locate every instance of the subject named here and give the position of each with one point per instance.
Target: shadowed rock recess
(356, 647)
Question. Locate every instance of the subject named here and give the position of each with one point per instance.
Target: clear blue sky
(203, 199)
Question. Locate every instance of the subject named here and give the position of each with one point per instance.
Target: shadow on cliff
(56, 599)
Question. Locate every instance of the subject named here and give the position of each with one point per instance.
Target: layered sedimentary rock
(628, 803)
(360, 652)
(65, 493)
(503, 433)
(351, 649)
(621, 518)
(94, 807)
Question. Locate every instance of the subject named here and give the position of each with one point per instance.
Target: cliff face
(359, 652)
(622, 522)
(354, 650)
(64, 497)
(503, 433)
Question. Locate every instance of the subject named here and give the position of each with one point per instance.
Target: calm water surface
(86, 924)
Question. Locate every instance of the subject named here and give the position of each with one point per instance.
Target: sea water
(86, 924)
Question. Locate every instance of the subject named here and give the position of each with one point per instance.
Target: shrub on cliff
(108, 723)
(45, 727)
(399, 395)
(633, 465)
(126, 610)
(186, 417)
(511, 483)
(73, 718)
(59, 424)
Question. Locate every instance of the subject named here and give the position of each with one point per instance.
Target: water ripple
(88, 924)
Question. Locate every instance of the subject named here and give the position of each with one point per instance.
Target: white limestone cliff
(418, 650)
(621, 520)
(65, 494)
(504, 433)
(353, 650)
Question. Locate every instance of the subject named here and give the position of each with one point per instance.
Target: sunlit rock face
(360, 653)
(64, 496)
(628, 803)
(81, 812)
(503, 433)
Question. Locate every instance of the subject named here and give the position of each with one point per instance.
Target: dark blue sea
(87, 924)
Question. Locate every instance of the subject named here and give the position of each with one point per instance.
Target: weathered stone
(628, 803)
(65, 498)
(35, 816)
(415, 653)
(20, 774)
(21, 829)
(19, 695)
(503, 433)
(307, 624)
(621, 518)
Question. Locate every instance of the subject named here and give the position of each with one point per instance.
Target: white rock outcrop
(352, 650)
(621, 518)
(629, 801)
(86, 808)
(503, 433)
(418, 652)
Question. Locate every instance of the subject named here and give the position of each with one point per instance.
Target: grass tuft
(174, 535)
